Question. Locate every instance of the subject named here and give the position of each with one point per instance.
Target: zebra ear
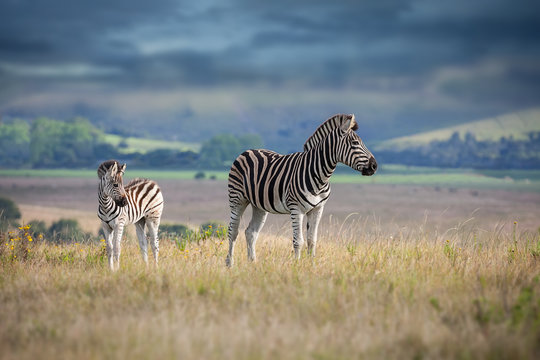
(112, 170)
(122, 169)
(349, 123)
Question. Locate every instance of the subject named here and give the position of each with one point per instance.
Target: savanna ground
(402, 271)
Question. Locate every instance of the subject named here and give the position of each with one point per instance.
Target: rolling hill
(518, 125)
(143, 145)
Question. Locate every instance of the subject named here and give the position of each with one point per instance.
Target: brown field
(194, 202)
(401, 272)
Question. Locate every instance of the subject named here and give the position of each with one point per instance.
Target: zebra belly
(277, 208)
(283, 206)
(310, 202)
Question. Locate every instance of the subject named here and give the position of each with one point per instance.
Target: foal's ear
(349, 123)
(122, 169)
(112, 170)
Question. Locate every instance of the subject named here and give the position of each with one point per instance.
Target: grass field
(466, 294)
(408, 266)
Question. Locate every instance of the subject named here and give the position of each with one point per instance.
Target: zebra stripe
(295, 184)
(140, 202)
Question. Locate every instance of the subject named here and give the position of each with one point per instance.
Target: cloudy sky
(166, 66)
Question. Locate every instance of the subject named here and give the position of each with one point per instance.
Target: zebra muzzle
(370, 168)
(121, 202)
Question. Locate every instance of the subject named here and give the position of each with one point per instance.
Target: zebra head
(352, 151)
(112, 184)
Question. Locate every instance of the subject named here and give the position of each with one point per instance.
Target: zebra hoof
(229, 262)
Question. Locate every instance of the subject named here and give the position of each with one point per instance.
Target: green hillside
(517, 124)
(143, 145)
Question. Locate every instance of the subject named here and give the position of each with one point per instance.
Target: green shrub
(200, 175)
(38, 227)
(167, 230)
(215, 228)
(9, 213)
(67, 230)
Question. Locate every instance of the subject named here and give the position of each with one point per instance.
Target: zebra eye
(115, 185)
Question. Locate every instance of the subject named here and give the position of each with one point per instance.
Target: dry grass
(402, 294)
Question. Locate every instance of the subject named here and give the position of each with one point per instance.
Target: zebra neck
(324, 161)
(107, 206)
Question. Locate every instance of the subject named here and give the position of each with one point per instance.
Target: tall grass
(371, 292)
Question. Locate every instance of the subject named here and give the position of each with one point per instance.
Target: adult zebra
(139, 203)
(295, 184)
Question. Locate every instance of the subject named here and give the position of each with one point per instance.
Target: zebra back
(336, 121)
(144, 199)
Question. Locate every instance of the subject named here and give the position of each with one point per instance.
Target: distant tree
(249, 141)
(14, 143)
(8, 209)
(221, 150)
(104, 151)
(75, 143)
(45, 139)
(471, 153)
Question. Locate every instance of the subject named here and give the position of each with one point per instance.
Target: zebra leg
(237, 210)
(297, 218)
(141, 235)
(313, 218)
(117, 240)
(109, 241)
(252, 232)
(153, 226)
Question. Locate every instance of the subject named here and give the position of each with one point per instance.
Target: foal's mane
(106, 165)
(325, 128)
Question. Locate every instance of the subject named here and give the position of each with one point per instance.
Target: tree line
(469, 152)
(50, 143)
(77, 143)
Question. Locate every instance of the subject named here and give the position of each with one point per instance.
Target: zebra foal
(140, 202)
(295, 184)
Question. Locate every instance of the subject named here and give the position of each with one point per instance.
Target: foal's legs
(141, 235)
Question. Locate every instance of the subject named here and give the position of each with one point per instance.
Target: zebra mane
(325, 128)
(136, 181)
(106, 165)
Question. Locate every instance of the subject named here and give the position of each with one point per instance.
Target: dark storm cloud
(61, 30)
(471, 52)
(379, 37)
